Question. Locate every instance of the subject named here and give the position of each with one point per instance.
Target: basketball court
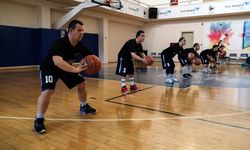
(206, 112)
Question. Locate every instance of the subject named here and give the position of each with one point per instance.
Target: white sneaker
(206, 70)
(174, 79)
(169, 81)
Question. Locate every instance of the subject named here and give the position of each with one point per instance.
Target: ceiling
(148, 3)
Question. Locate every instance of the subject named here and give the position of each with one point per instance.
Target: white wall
(119, 33)
(160, 34)
(18, 14)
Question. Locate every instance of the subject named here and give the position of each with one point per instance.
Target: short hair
(139, 33)
(73, 23)
(222, 46)
(215, 46)
(181, 39)
(196, 44)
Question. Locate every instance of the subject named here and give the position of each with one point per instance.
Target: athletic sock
(123, 82)
(132, 81)
(39, 115)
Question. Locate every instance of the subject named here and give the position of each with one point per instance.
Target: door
(189, 36)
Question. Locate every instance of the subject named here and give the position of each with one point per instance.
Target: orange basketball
(93, 63)
(223, 54)
(212, 60)
(191, 56)
(197, 62)
(150, 60)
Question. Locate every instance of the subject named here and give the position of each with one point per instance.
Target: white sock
(131, 81)
(39, 115)
(189, 69)
(123, 81)
(185, 70)
(83, 103)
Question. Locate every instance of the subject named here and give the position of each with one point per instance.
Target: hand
(144, 61)
(82, 66)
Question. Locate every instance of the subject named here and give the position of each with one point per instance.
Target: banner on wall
(234, 34)
(246, 35)
(204, 9)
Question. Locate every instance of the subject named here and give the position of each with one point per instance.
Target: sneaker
(169, 81)
(185, 76)
(190, 76)
(39, 126)
(86, 109)
(206, 70)
(134, 88)
(124, 90)
(174, 79)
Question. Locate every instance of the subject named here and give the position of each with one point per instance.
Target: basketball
(150, 60)
(222, 54)
(197, 62)
(191, 56)
(93, 63)
(212, 60)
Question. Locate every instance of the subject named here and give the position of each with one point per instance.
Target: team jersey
(128, 47)
(191, 50)
(172, 50)
(62, 47)
(209, 52)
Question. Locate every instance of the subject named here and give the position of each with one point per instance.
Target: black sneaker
(190, 76)
(86, 109)
(39, 126)
(185, 76)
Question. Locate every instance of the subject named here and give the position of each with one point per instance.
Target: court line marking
(130, 119)
(176, 114)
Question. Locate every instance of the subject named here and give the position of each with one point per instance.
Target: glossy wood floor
(158, 117)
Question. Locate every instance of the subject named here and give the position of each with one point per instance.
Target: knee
(47, 93)
(82, 86)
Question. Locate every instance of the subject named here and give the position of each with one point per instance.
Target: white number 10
(48, 79)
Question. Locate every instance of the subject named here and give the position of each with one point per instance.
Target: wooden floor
(158, 117)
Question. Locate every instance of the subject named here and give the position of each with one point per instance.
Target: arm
(59, 62)
(138, 57)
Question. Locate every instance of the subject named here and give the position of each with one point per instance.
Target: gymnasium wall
(28, 16)
(28, 46)
(118, 36)
(18, 14)
(161, 33)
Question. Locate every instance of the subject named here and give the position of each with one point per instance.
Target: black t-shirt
(62, 47)
(209, 52)
(191, 50)
(172, 50)
(128, 47)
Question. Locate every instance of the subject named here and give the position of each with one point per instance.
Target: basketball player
(125, 66)
(208, 56)
(186, 62)
(55, 67)
(167, 59)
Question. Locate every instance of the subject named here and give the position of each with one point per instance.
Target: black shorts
(204, 59)
(49, 78)
(184, 60)
(124, 67)
(167, 62)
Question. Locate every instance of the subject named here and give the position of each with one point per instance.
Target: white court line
(131, 119)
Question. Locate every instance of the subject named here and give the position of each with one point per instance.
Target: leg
(121, 69)
(42, 105)
(43, 102)
(82, 93)
(85, 108)
(133, 86)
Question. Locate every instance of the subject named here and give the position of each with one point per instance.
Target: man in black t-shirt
(186, 63)
(167, 59)
(57, 66)
(208, 56)
(125, 66)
